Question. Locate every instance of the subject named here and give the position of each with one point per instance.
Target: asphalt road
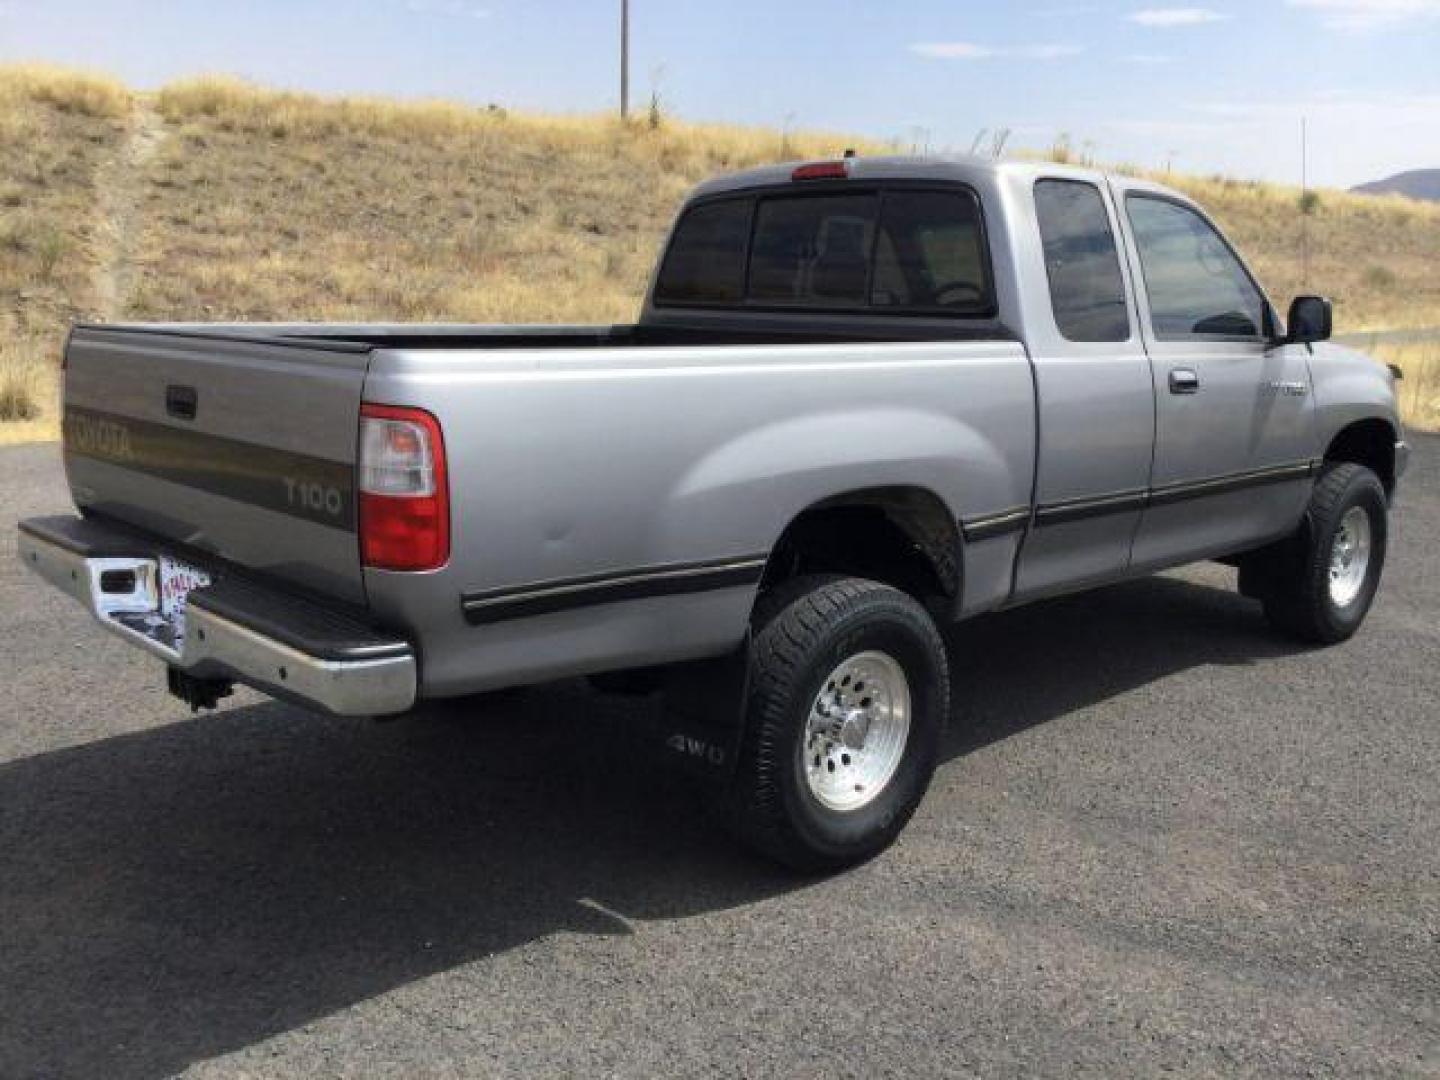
(1164, 840)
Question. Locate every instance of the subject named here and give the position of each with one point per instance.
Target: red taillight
(404, 495)
(822, 170)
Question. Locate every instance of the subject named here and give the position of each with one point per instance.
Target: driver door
(1234, 431)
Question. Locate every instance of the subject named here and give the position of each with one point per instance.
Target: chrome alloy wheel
(856, 732)
(1350, 556)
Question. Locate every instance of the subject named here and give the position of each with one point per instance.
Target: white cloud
(966, 50)
(463, 9)
(1369, 14)
(1168, 129)
(952, 50)
(1046, 52)
(1177, 16)
(1344, 110)
(1149, 59)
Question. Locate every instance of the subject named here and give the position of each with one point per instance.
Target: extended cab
(863, 397)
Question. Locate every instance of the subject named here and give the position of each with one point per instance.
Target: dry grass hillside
(1376, 256)
(214, 199)
(268, 205)
(57, 131)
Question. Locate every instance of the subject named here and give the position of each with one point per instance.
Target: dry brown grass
(1374, 256)
(56, 129)
(258, 204)
(269, 205)
(1419, 391)
(80, 93)
(29, 394)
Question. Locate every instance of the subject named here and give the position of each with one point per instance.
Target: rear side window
(1087, 290)
(885, 251)
(706, 260)
(1197, 287)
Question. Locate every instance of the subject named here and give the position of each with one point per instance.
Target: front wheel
(1319, 585)
(847, 706)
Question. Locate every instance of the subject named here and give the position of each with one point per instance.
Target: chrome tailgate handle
(181, 402)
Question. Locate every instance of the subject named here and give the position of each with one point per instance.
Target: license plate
(177, 579)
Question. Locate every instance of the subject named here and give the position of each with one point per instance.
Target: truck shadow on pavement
(1024, 667)
(200, 886)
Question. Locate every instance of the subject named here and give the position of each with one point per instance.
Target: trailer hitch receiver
(195, 692)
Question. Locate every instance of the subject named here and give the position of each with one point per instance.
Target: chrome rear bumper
(230, 632)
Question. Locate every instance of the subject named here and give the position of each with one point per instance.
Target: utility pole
(624, 59)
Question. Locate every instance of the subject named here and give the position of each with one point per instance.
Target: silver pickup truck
(864, 397)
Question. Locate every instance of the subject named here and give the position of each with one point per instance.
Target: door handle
(1184, 381)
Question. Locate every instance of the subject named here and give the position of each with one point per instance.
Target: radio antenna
(1305, 204)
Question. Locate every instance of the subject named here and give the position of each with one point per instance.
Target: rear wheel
(847, 706)
(1319, 585)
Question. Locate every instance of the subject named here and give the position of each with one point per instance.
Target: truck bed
(721, 329)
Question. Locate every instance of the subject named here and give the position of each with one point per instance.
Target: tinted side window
(930, 253)
(706, 260)
(1196, 284)
(1087, 290)
(813, 250)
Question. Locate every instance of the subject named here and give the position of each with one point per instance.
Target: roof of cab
(961, 168)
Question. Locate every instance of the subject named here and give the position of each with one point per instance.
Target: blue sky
(1218, 85)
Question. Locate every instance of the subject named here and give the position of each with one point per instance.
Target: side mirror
(1311, 319)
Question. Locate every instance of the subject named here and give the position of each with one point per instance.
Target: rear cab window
(878, 250)
(812, 250)
(706, 260)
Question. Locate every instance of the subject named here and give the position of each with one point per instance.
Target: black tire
(1292, 579)
(802, 632)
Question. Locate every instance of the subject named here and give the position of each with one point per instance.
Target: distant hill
(1418, 184)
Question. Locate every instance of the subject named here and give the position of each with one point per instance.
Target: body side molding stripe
(546, 597)
(1083, 509)
(989, 526)
(541, 598)
(1122, 502)
(1223, 485)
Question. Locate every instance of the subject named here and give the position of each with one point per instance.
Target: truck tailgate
(238, 445)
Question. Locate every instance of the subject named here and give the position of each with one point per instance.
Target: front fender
(1349, 387)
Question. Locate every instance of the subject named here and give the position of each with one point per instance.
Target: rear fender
(823, 459)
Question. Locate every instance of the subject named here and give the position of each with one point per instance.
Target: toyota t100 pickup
(864, 397)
